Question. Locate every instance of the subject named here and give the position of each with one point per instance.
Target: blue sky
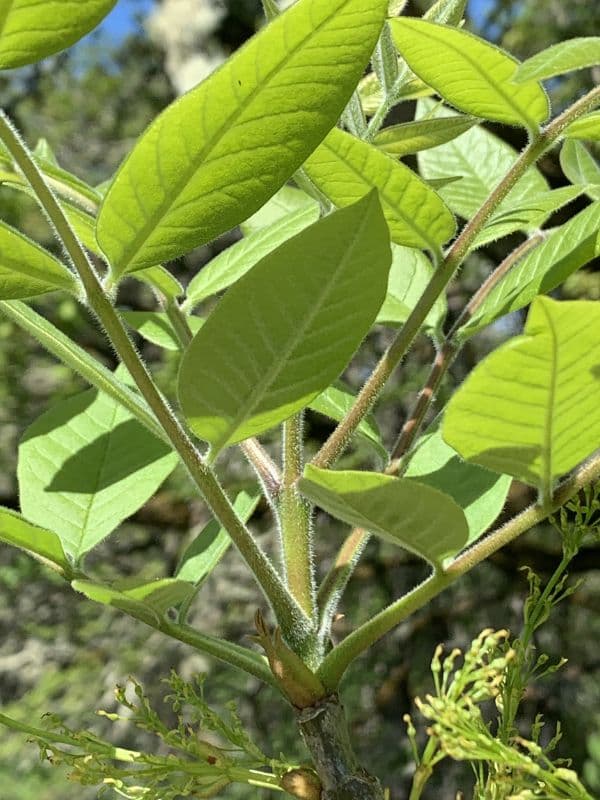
(121, 20)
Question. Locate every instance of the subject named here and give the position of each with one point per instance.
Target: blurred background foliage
(63, 654)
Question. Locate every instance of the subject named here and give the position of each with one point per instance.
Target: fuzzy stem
(295, 519)
(288, 613)
(448, 351)
(455, 256)
(338, 660)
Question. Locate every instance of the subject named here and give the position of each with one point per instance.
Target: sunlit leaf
(30, 30)
(481, 159)
(156, 327)
(17, 531)
(287, 200)
(217, 154)
(568, 248)
(563, 57)
(480, 493)
(530, 409)
(86, 465)
(211, 544)
(400, 510)
(287, 329)
(587, 127)
(346, 169)
(469, 73)
(26, 269)
(411, 137)
(580, 167)
(235, 261)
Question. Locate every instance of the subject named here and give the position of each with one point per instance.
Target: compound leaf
(568, 248)
(87, 464)
(287, 328)
(530, 409)
(471, 74)
(346, 169)
(217, 154)
(30, 30)
(401, 510)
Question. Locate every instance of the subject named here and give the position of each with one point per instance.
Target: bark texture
(325, 731)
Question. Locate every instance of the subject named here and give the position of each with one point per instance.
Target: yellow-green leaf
(471, 74)
(587, 127)
(411, 137)
(217, 154)
(584, 51)
(345, 169)
(531, 408)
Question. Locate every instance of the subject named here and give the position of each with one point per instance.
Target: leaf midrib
(204, 154)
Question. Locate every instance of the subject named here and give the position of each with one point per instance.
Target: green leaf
(217, 154)
(580, 167)
(335, 402)
(401, 510)
(156, 327)
(17, 531)
(31, 31)
(563, 57)
(528, 216)
(236, 260)
(568, 248)
(446, 12)
(371, 93)
(87, 465)
(211, 544)
(346, 169)
(26, 269)
(411, 137)
(587, 127)
(410, 273)
(287, 329)
(148, 601)
(286, 201)
(482, 160)
(481, 494)
(159, 278)
(531, 409)
(44, 152)
(471, 74)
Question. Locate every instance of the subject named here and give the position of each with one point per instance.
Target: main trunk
(325, 731)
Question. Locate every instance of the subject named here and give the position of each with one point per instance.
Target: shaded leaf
(530, 409)
(217, 154)
(287, 328)
(235, 261)
(568, 248)
(147, 601)
(401, 510)
(31, 31)
(17, 531)
(410, 273)
(26, 269)
(87, 465)
(411, 137)
(469, 73)
(480, 493)
(567, 56)
(346, 169)
(211, 544)
(156, 327)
